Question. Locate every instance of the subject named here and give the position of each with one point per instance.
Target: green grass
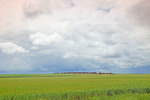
(75, 87)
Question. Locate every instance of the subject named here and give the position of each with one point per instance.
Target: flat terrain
(75, 87)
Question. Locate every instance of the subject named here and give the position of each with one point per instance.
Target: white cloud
(10, 48)
(34, 48)
(45, 39)
(68, 55)
(44, 69)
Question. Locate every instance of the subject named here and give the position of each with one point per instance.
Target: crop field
(75, 87)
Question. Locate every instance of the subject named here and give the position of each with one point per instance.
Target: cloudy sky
(44, 36)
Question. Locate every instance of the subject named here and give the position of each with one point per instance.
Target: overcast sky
(43, 36)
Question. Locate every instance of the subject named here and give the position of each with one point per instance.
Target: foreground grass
(79, 87)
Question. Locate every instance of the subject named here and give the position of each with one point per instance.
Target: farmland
(74, 87)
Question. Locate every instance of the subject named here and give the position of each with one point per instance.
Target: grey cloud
(140, 13)
(34, 8)
(69, 2)
(17, 63)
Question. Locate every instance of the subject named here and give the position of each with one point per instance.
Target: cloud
(140, 13)
(44, 69)
(68, 55)
(32, 9)
(17, 64)
(45, 39)
(104, 35)
(12, 48)
(34, 48)
(93, 34)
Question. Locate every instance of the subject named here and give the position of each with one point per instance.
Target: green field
(75, 87)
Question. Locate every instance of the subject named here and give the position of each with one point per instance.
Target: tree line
(99, 73)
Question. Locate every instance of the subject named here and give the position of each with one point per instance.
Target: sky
(48, 36)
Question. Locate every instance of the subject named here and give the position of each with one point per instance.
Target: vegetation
(75, 87)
